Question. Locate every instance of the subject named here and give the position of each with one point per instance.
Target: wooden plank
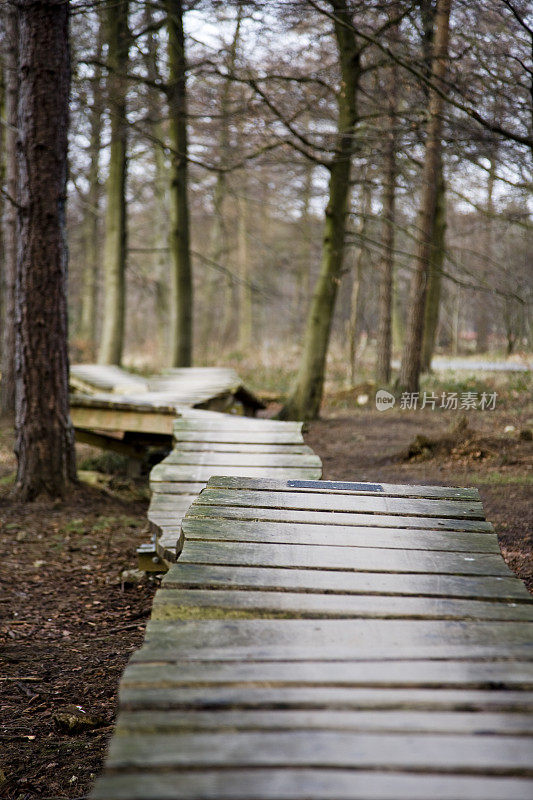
(122, 420)
(180, 487)
(337, 518)
(234, 422)
(244, 447)
(345, 487)
(320, 501)
(251, 436)
(440, 674)
(316, 580)
(342, 536)
(312, 785)
(481, 723)
(171, 472)
(193, 604)
(355, 639)
(307, 784)
(243, 459)
(218, 698)
(343, 558)
(445, 753)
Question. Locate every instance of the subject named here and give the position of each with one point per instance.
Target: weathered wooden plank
(108, 419)
(244, 447)
(345, 487)
(177, 487)
(321, 501)
(503, 674)
(251, 436)
(307, 784)
(203, 604)
(243, 459)
(316, 580)
(343, 536)
(343, 558)
(217, 421)
(215, 698)
(355, 639)
(169, 472)
(337, 518)
(481, 723)
(341, 749)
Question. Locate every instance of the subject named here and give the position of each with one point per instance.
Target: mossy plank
(343, 558)
(201, 510)
(185, 603)
(345, 536)
(339, 502)
(373, 582)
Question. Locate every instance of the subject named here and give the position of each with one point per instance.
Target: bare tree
(411, 358)
(114, 267)
(44, 436)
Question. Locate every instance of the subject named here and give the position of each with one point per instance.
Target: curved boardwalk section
(207, 443)
(330, 641)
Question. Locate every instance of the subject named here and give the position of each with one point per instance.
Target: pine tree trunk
(305, 399)
(181, 277)
(431, 321)
(411, 359)
(114, 260)
(7, 384)
(91, 235)
(44, 435)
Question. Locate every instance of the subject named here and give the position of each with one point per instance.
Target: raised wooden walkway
(330, 641)
(207, 443)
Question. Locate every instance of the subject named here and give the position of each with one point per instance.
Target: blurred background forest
(203, 136)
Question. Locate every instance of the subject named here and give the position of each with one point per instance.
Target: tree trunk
(91, 222)
(305, 399)
(482, 304)
(355, 297)
(160, 269)
(411, 359)
(384, 335)
(7, 384)
(181, 278)
(114, 262)
(44, 436)
(245, 290)
(431, 319)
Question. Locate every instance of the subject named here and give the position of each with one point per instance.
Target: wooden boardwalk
(208, 443)
(330, 641)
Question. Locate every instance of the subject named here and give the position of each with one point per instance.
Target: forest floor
(68, 622)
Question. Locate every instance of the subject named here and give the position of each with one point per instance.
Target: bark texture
(431, 321)
(384, 333)
(91, 222)
(411, 358)
(11, 81)
(114, 262)
(181, 277)
(44, 436)
(306, 397)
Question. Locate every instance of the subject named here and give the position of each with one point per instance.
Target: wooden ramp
(208, 443)
(330, 641)
(216, 388)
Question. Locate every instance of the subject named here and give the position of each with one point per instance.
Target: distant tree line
(251, 171)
